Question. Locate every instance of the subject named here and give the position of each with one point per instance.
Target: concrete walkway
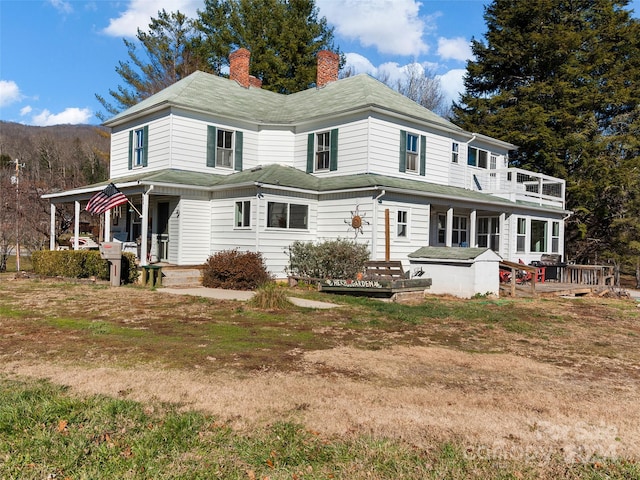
(239, 295)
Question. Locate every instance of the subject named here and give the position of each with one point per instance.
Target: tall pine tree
(561, 79)
(283, 36)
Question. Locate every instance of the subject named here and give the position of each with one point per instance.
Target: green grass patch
(47, 432)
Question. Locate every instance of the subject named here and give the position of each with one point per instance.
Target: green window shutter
(333, 153)
(212, 139)
(310, 151)
(145, 146)
(238, 152)
(403, 151)
(130, 149)
(423, 155)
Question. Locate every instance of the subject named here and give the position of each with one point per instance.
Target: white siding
(195, 230)
(275, 146)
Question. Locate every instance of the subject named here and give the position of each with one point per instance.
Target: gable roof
(210, 94)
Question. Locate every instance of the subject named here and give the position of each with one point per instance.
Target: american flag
(105, 200)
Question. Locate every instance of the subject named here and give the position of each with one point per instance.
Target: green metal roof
(207, 93)
(289, 177)
(448, 253)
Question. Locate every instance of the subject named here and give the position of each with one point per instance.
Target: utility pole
(16, 180)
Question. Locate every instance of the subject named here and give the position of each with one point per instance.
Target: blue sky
(55, 55)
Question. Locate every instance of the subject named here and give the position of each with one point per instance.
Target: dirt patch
(530, 379)
(500, 405)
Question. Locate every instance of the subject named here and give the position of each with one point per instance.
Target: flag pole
(134, 207)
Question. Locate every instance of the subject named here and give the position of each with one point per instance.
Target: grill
(552, 264)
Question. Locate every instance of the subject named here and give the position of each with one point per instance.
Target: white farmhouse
(212, 164)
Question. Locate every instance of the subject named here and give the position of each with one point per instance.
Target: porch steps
(181, 277)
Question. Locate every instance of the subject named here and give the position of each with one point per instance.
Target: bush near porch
(81, 264)
(339, 258)
(235, 270)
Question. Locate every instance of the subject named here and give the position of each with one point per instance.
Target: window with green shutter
(224, 148)
(322, 151)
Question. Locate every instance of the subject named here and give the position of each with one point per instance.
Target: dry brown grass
(570, 387)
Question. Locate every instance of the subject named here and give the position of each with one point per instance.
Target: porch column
(76, 226)
(52, 228)
(449, 233)
(145, 229)
(107, 226)
(501, 235)
(473, 242)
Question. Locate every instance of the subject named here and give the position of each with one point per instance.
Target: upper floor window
(478, 158)
(138, 154)
(413, 150)
(243, 214)
(138, 147)
(323, 149)
(455, 152)
(224, 146)
(402, 223)
(287, 215)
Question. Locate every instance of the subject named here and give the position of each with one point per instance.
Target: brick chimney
(239, 66)
(328, 66)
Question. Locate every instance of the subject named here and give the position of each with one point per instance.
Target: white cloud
(61, 6)
(359, 64)
(452, 83)
(9, 93)
(458, 48)
(25, 110)
(139, 13)
(70, 115)
(391, 26)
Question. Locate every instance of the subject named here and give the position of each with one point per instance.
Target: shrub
(81, 264)
(339, 258)
(235, 270)
(270, 296)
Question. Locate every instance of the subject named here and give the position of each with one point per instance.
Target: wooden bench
(385, 269)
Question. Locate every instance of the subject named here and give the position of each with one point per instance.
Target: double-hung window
(489, 233)
(402, 224)
(224, 149)
(455, 152)
(521, 235)
(459, 231)
(138, 152)
(555, 237)
(412, 152)
(287, 215)
(243, 214)
(323, 151)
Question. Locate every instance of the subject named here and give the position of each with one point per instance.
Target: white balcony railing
(519, 185)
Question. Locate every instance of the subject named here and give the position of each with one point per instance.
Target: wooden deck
(574, 280)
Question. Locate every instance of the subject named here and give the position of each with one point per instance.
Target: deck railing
(518, 184)
(586, 274)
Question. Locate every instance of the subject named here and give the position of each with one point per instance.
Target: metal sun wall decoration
(357, 221)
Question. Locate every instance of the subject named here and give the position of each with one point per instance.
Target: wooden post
(387, 236)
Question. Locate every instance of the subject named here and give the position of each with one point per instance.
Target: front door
(163, 231)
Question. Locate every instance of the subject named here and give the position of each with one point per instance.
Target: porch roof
(285, 177)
